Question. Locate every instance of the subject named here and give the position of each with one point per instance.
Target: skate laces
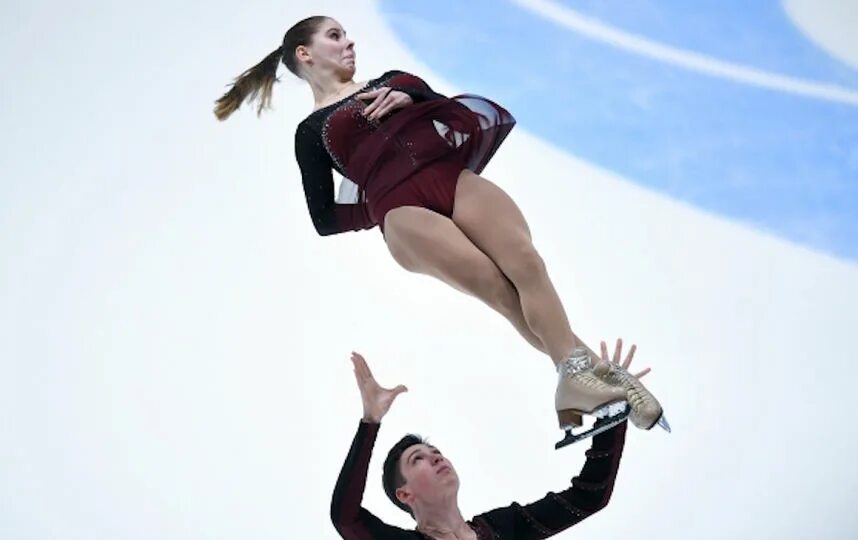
(637, 394)
(587, 378)
(579, 368)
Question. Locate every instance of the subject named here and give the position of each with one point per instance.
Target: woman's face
(428, 474)
(330, 50)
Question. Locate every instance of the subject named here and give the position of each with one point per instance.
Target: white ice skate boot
(580, 392)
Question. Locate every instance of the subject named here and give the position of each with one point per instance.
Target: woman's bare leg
(428, 243)
(486, 250)
(494, 223)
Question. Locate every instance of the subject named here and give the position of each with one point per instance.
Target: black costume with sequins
(420, 142)
(554, 513)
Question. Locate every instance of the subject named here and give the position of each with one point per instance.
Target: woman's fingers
(385, 105)
(382, 110)
(373, 99)
(371, 94)
(371, 107)
(394, 99)
(380, 96)
(604, 351)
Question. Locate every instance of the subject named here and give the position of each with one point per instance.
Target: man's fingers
(359, 380)
(618, 349)
(361, 365)
(604, 351)
(355, 363)
(629, 357)
(641, 373)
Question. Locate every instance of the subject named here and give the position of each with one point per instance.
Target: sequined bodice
(343, 126)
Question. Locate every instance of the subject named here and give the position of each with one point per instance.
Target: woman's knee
(524, 266)
(404, 238)
(403, 258)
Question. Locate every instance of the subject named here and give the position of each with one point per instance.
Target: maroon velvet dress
(411, 156)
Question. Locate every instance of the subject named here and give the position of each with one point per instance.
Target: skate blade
(662, 422)
(606, 418)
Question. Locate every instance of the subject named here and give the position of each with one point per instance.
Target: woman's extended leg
(491, 219)
(494, 223)
(429, 243)
(425, 242)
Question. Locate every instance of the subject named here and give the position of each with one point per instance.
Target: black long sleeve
(590, 492)
(414, 86)
(353, 521)
(316, 166)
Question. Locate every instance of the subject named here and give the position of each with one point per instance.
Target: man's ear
(404, 495)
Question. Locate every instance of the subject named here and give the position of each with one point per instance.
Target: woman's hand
(384, 100)
(376, 400)
(618, 351)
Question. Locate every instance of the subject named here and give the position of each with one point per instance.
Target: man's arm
(590, 492)
(353, 521)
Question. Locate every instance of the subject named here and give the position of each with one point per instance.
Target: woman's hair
(391, 476)
(258, 81)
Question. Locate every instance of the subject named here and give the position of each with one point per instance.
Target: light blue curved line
(593, 29)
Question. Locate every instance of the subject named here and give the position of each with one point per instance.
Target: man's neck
(443, 522)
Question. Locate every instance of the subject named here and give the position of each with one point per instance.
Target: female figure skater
(420, 480)
(415, 158)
